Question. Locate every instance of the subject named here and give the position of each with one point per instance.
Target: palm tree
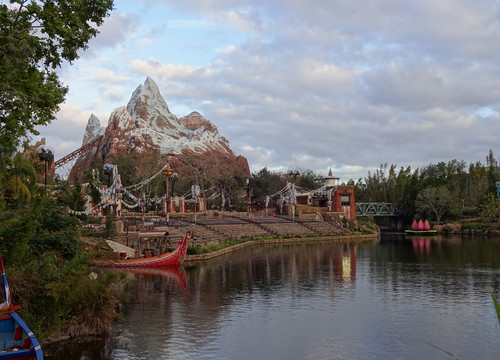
(17, 178)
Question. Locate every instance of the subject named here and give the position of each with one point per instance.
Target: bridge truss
(376, 209)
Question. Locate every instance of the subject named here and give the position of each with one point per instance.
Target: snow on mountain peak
(93, 130)
(146, 125)
(148, 121)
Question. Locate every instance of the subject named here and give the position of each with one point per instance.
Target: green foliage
(56, 229)
(35, 38)
(94, 193)
(61, 298)
(47, 272)
(17, 228)
(469, 225)
(310, 180)
(497, 305)
(401, 187)
(489, 208)
(266, 183)
(110, 226)
(17, 177)
(434, 200)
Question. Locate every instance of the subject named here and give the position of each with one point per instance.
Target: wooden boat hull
(174, 258)
(16, 339)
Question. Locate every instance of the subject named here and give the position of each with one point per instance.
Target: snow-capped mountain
(93, 130)
(146, 125)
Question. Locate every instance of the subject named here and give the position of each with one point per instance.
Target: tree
(490, 208)
(17, 176)
(266, 183)
(492, 165)
(436, 200)
(308, 179)
(36, 37)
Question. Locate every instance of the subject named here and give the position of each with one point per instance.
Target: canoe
(16, 339)
(174, 258)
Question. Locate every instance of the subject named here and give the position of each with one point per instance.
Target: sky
(311, 85)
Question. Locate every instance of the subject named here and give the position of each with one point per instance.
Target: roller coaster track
(77, 153)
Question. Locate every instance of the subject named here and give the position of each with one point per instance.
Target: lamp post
(109, 170)
(173, 179)
(249, 198)
(45, 154)
(168, 172)
(293, 198)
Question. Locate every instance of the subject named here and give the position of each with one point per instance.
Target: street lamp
(293, 193)
(294, 175)
(108, 170)
(249, 197)
(168, 172)
(173, 179)
(46, 154)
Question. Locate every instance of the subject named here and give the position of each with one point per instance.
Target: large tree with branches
(36, 37)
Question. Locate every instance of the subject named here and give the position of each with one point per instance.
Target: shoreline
(193, 260)
(196, 259)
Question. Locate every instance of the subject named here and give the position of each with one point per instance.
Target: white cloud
(319, 84)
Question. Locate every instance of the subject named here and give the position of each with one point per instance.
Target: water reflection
(329, 300)
(158, 275)
(421, 245)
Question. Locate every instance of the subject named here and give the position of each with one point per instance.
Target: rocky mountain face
(145, 126)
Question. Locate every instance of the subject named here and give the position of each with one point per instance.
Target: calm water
(423, 298)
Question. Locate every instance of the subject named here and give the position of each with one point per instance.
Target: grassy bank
(200, 253)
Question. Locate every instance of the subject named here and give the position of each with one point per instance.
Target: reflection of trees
(298, 269)
(151, 310)
(439, 266)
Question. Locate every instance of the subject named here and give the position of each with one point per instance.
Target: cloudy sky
(315, 84)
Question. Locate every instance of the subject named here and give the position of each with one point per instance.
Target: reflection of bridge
(376, 209)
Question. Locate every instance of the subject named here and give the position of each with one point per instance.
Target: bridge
(376, 209)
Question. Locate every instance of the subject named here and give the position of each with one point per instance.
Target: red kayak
(174, 258)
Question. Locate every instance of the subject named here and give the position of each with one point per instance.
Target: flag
(6, 290)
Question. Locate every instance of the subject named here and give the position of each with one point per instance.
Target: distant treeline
(442, 191)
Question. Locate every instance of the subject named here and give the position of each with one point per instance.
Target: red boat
(174, 258)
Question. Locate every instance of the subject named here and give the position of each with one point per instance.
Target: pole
(167, 197)
(45, 177)
(249, 199)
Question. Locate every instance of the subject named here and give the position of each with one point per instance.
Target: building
(332, 198)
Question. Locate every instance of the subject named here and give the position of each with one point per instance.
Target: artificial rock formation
(145, 126)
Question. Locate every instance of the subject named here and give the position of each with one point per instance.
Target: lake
(397, 298)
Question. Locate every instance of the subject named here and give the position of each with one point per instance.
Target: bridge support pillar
(396, 223)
